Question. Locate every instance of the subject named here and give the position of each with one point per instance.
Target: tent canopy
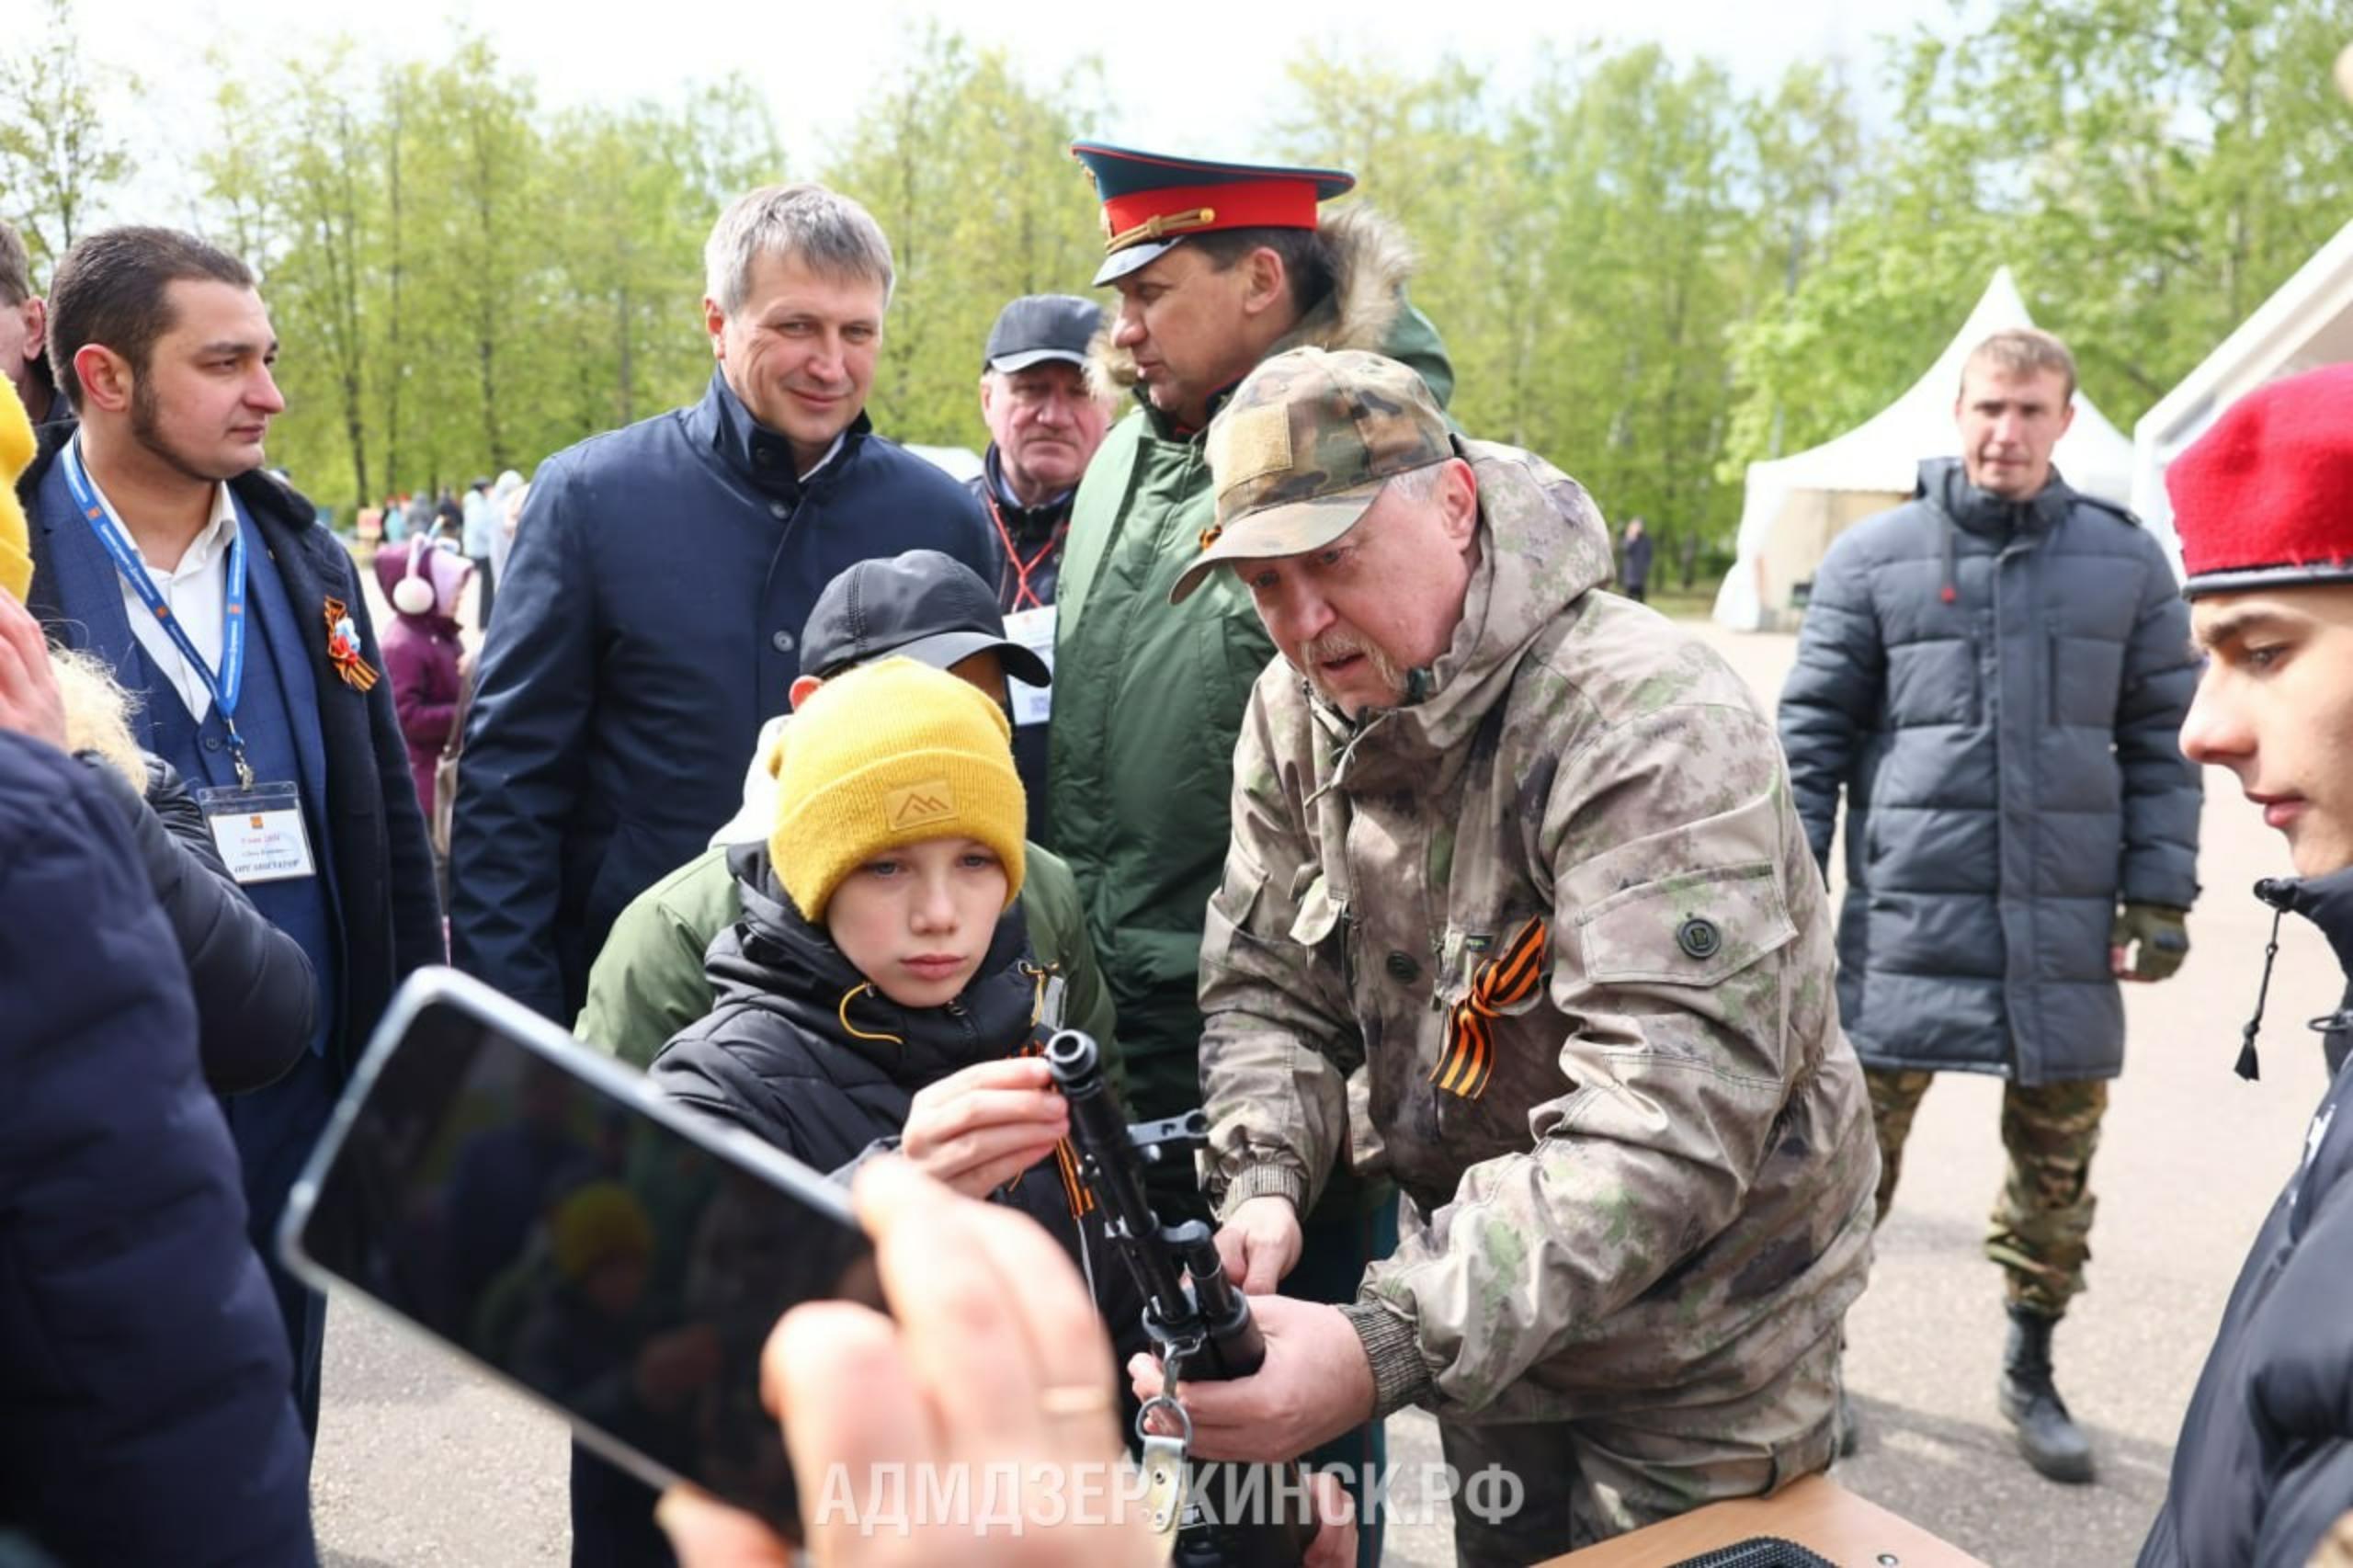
(2307, 324)
(1795, 505)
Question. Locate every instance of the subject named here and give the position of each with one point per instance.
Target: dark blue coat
(2265, 1462)
(648, 622)
(2012, 762)
(145, 1411)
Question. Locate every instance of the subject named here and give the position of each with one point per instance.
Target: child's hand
(979, 1128)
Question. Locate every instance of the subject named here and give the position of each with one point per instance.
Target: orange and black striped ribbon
(1074, 1191)
(1505, 980)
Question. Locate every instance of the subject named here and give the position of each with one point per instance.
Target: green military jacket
(1148, 696)
(648, 981)
(1549, 949)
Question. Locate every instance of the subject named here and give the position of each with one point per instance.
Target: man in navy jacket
(660, 577)
(159, 541)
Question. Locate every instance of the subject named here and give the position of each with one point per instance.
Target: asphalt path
(422, 1462)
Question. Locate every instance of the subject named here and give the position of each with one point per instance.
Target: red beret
(2265, 498)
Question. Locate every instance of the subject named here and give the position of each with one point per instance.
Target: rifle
(1199, 1325)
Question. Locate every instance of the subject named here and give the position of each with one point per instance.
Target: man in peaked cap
(1515, 900)
(1216, 266)
(1044, 425)
(2264, 506)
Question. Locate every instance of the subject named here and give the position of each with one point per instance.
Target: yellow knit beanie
(15, 456)
(887, 755)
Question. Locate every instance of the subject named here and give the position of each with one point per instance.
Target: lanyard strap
(223, 687)
(1021, 569)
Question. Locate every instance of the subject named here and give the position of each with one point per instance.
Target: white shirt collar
(831, 452)
(205, 548)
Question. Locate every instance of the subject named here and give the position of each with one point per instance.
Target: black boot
(2048, 1436)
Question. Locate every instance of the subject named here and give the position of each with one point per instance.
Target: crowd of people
(1245, 712)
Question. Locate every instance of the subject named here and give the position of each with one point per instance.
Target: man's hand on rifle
(1317, 1383)
(1258, 1244)
(981, 1128)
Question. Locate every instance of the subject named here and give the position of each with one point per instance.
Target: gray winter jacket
(1999, 686)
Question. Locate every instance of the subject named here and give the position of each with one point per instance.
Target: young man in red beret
(2264, 504)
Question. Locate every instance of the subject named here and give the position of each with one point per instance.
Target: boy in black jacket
(879, 991)
(2263, 1473)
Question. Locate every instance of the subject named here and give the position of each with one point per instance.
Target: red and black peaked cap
(1152, 201)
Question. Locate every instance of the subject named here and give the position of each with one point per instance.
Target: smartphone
(539, 1209)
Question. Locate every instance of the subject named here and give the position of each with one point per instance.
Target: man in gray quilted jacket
(1997, 673)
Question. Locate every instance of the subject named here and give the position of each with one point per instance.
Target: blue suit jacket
(355, 769)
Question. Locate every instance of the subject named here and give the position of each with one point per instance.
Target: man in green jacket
(648, 982)
(1218, 265)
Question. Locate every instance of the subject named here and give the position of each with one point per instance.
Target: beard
(147, 429)
(1339, 645)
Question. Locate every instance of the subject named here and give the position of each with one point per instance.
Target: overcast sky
(1203, 76)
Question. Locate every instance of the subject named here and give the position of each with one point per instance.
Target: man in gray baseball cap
(1044, 424)
(1516, 913)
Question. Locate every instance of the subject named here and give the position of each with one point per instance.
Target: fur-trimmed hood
(1371, 260)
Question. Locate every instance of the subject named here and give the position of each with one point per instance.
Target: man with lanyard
(161, 543)
(1044, 425)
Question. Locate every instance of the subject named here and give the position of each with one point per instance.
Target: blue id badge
(259, 829)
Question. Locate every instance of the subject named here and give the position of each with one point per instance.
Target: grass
(1694, 603)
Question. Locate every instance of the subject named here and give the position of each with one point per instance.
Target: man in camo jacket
(1517, 912)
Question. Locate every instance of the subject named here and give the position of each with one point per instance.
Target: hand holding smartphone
(537, 1208)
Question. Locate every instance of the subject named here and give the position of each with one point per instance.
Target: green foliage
(1640, 269)
(967, 168)
(2151, 170)
(56, 157)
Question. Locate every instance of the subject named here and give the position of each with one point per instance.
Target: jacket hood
(1372, 261)
(2326, 901)
(778, 963)
(1542, 544)
(1945, 483)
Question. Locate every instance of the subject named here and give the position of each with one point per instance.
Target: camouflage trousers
(2041, 1226)
(1585, 1480)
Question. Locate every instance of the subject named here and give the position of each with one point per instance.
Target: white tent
(2308, 323)
(1796, 506)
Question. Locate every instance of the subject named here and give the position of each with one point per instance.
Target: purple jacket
(422, 654)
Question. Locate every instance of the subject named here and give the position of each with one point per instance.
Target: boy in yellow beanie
(883, 995)
(898, 824)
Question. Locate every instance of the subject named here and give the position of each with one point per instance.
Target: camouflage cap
(1302, 448)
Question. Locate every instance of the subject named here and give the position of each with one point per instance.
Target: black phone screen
(548, 1224)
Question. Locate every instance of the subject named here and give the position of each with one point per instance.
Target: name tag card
(259, 831)
(1034, 629)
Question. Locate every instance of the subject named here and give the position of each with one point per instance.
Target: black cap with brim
(1037, 328)
(949, 649)
(922, 604)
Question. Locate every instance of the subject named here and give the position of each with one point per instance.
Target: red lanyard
(1021, 569)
